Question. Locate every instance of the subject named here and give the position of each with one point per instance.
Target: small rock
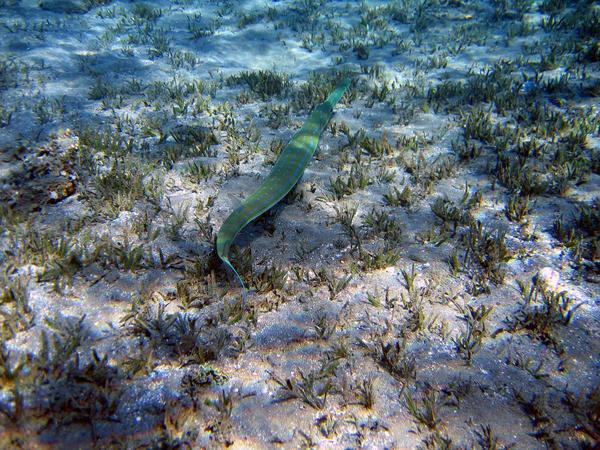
(61, 191)
(548, 278)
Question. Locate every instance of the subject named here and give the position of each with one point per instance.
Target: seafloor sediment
(431, 282)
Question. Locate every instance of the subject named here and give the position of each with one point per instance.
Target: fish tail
(242, 284)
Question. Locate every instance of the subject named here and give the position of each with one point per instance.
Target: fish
(284, 175)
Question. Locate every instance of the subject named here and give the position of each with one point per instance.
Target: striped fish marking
(286, 172)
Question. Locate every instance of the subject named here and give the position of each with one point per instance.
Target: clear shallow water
(130, 131)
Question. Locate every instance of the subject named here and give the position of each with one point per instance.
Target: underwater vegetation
(429, 280)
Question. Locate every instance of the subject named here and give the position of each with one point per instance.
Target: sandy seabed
(431, 282)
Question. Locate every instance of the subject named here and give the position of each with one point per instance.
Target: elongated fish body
(286, 172)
